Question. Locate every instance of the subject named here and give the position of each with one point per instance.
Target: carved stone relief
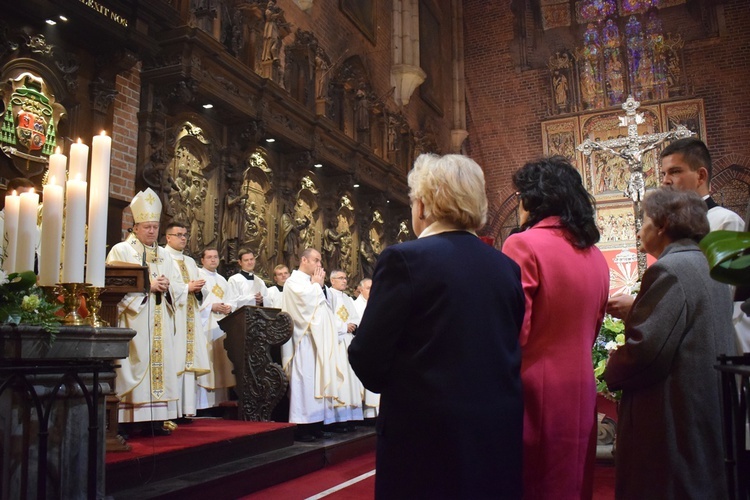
(337, 238)
(371, 245)
(256, 204)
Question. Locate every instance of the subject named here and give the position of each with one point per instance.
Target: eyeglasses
(180, 235)
(340, 278)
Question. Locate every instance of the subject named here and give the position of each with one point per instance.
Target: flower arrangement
(611, 336)
(22, 302)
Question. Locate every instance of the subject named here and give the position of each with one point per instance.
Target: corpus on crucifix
(631, 149)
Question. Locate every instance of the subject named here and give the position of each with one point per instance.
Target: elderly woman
(439, 341)
(669, 442)
(566, 283)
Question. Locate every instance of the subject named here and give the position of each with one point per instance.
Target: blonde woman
(439, 342)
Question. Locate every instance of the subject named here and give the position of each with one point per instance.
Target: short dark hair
(693, 150)
(244, 251)
(175, 223)
(553, 187)
(207, 249)
(306, 252)
(19, 182)
(682, 214)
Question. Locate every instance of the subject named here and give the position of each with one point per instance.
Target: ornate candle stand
(94, 305)
(71, 302)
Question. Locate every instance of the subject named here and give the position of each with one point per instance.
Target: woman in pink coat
(566, 283)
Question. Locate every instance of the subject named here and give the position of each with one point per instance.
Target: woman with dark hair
(566, 284)
(669, 441)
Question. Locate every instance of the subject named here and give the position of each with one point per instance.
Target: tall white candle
(96, 252)
(52, 224)
(12, 205)
(28, 234)
(58, 163)
(75, 231)
(79, 161)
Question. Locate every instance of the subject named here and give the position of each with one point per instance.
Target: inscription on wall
(106, 12)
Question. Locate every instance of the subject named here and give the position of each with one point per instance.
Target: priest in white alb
(213, 387)
(146, 381)
(372, 399)
(347, 321)
(280, 275)
(191, 349)
(309, 357)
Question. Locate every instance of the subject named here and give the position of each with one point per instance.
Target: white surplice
(146, 381)
(352, 390)
(372, 399)
(191, 346)
(212, 387)
(242, 290)
(273, 297)
(309, 357)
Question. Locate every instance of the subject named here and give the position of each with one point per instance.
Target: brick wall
(125, 138)
(506, 104)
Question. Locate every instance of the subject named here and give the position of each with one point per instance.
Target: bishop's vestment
(146, 381)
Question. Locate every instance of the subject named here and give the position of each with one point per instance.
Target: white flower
(611, 345)
(3, 277)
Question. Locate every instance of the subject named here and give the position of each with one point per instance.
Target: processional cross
(631, 149)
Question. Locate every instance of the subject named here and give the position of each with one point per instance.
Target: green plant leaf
(728, 255)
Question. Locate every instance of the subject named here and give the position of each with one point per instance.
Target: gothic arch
(731, 185)
(502, 218)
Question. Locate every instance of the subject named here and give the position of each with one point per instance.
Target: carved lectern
(251, 333)
(119, 279)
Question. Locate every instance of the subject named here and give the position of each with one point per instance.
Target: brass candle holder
(94, 305)
(52, 293)
(71, 302)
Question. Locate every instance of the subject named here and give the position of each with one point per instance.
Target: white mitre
(146, 206)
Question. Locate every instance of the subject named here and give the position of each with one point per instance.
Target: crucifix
(631, 149)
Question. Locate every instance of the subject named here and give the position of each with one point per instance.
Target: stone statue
(271, 39)
(291, 238)
(367, 257)
(231, 220)
(321, 75)
(337, 243)
(362, 110)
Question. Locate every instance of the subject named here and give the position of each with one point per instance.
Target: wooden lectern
(251, 333)
(119, 280)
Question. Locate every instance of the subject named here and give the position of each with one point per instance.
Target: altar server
(213, 387)
(245, 288)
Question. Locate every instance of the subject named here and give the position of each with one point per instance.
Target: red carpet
(330, 477)
(200, 432)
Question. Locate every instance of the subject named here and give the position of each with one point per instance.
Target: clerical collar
(248, 276)
(710, 202)
(280, 287)
(438, 227)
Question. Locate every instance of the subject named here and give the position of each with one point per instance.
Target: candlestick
(12, 206)
(71, 302)
(28, 234)
(94, 305)
(75, 231)
(51, 239)
(79, 161)
(96, 252)
(57, 165)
